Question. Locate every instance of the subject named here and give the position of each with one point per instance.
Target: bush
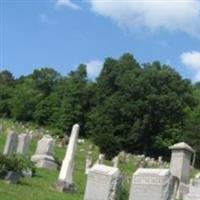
(15, 163)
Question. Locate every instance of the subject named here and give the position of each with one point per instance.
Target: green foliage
(16, 163)
(192, 127)
(132, 107)
(139, 109)
(6, 84)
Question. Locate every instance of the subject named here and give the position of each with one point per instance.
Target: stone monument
(152, 184)
(180, 167)
(43, 157)
(103, 183)
(65, 180)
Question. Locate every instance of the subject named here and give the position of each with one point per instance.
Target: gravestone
(115, 161)
(65, 180)
(23, 143)
(88, 162)
(11, 143)
(103, 183)
(180, 167)
(153, 184)
(194, 190)
(12, 177)
(1, 128)
(101, 158)
(43, 157)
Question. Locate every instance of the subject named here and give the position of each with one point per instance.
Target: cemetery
(99, 99)
(78, 171)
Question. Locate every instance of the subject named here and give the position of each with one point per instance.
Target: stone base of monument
(12, 177)
(63, 186)
(44, 161)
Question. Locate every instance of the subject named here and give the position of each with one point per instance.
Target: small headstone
(103, 183)
(12, 177)
(88, 163)
(81, 141)
(160, 159)
(27, 173)
(115, 161)
(101, 158)
(154, 184)
(1, 128)
(194, 190)
(122, 156)
(11, 143)
(91, 146)
(23, 143)
(43, 157)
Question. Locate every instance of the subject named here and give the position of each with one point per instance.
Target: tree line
(138, 108)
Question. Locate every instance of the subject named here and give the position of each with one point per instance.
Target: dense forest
(131, 107)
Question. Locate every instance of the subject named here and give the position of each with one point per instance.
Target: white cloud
(192, 60)
(68, 3)
(172, 15)
(94, 68)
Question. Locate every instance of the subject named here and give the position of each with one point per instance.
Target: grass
(41, 187)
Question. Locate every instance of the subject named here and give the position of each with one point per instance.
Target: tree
(24, 100)
(141, 108)
(72, 96)
(6, 82)
(191, 133)
(45, 79)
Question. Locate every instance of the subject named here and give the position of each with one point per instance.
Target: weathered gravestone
(12, 177)
(115, 161)
(23, 143)
(11, 143)
(103, 183)
(153, 184)
(101, 159)
(65, 180)
(180, 167)
(88, 162)
(1, 128)
(194, 190)
(43, 157)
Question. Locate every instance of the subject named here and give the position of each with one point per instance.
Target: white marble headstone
(23, 143)
(43, 157)
(153, 184)
(11, 143)
(103, 183)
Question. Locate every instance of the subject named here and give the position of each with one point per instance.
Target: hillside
(41, 187)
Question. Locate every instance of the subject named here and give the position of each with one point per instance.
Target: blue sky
(63, 33)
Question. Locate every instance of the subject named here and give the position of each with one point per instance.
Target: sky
(64, 33)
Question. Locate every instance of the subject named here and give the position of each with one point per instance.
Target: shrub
(16, 163)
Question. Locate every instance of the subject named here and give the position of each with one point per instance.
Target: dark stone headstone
(13, 177)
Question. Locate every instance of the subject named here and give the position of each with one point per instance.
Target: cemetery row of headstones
(104, 182)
